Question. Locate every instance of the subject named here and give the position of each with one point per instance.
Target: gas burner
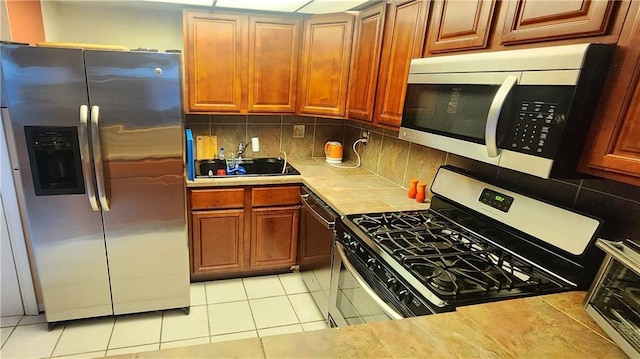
(470, 265)
(440, 247)
(443, 280)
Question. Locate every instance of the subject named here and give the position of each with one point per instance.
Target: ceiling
(294, 6)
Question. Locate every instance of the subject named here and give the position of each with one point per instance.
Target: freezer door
(136, 107)
(45, 88)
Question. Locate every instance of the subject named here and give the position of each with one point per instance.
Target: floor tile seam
(162, 326)
(206, 301)
(84, 352)
(247, 299)
(179, 340)
(132, 346)
(57, 341)
(113, 328)
(253, 317)
(281, 326)
(242, 331)
(274, 296)
(282, 284)
(294, 310)
(5, 342)
(135, 345)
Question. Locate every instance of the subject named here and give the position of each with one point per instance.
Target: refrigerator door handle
(97, 157)
(83, 140)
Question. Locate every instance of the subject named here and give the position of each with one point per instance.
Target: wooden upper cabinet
(613, 150)
(366, 62)
(324, 72)
(459, 25)
(273, 63)
(540, 20)
(403, 40)
(214, 53)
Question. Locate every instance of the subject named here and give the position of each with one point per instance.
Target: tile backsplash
(399, 161)
(275, 133)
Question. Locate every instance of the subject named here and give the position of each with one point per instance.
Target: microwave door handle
(85, 158)
(361, 282)
(97, 157)
(494, 114)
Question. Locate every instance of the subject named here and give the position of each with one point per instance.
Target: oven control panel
(497, 200)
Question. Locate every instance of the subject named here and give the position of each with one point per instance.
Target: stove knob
(392, 283)
(353, 245)
(404, 296)
(371, 263)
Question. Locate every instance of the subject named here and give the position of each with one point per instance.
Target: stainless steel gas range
(477, 243)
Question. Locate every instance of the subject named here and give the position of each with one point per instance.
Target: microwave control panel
(536, 128)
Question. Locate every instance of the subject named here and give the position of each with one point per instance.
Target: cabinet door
(217, 241)
(403, 40)
(614, 147)
(324, 72)
(540, 20)
(274, 236)
(273, 63)
(215, 55)
(459, 25)
(366, 62)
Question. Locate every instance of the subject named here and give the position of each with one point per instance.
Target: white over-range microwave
(527, 110)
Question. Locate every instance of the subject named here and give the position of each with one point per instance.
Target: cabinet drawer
(274, 196)
(217, 198)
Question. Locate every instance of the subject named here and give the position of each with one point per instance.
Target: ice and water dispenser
(54, 156)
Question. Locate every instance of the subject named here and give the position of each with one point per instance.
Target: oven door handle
(363, 284)
(491, 128)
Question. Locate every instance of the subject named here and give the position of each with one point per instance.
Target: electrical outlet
(298, 131)
(365, 136)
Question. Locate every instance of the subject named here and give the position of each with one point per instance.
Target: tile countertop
(550, 326)
(347, 190)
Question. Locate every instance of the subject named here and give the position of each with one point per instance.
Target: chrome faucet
(242, 147)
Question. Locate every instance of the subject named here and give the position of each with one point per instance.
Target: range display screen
(496, 200)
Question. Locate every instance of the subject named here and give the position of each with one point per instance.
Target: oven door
(355, 298)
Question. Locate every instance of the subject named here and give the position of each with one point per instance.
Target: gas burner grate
(448, 259)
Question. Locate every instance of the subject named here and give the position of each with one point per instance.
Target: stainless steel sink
(245, 167)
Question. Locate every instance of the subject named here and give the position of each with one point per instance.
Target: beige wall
(5, 30)
(148, 25)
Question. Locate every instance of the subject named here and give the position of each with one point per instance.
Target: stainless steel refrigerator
(96, 144)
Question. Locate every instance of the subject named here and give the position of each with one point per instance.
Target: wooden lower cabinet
(217, 241)
(274, 236)
(236, 231)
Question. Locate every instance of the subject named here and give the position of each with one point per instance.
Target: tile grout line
(113, 328)
(253, 318)
(57, 341)
(206, 303)
(290, 303)
(162, 323)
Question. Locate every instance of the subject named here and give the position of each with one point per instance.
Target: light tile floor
(220, 310)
